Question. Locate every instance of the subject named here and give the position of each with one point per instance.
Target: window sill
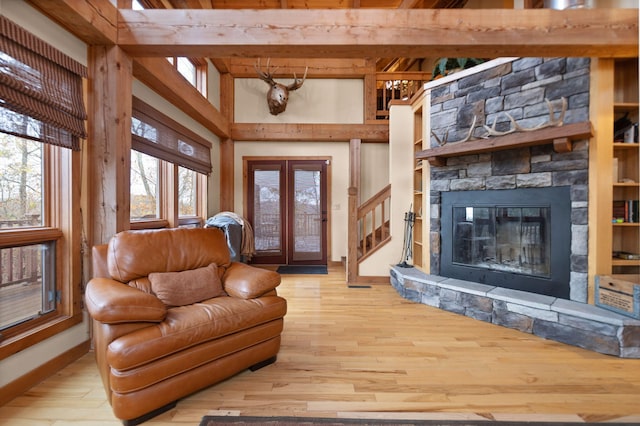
(33, 336)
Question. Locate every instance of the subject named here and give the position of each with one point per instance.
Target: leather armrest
(248, 282)
(113, 302)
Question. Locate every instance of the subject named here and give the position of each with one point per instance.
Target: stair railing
(368, 227)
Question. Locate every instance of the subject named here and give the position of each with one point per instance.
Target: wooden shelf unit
(625, 237)
(417, 190)
(420, 247)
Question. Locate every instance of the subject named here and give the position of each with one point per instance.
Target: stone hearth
(565, 321)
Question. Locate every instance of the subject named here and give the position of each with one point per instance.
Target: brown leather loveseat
(172, 315)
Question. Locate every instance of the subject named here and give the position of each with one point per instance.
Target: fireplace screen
(507, 239)
(512, 238)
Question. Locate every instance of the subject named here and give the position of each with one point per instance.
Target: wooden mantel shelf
(561, 137)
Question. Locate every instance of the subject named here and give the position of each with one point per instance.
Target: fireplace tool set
(407, 250)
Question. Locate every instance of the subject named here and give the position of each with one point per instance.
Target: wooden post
(109, 142)
(227, 164)
(354, 200)
(227, 169)
(370, 93)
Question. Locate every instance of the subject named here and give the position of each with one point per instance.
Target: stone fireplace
(509, 225)
(519, 89)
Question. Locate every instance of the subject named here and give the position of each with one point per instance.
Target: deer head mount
(278, 93)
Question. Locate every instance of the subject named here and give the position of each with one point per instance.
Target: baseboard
(24, 383)
(371, 280)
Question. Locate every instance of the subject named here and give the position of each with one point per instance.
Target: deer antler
(298, 83)
(265, 76)
(553, 122)
(515, 127)
(444, 140)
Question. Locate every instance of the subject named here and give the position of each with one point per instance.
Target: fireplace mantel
(561, 137)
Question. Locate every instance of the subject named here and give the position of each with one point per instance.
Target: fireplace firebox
(517, 238)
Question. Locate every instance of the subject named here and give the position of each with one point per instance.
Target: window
(27, 273)
(193, 70)
(187, 69)
(144, 186)
(187, 194)
(42, 121)
(169, 168)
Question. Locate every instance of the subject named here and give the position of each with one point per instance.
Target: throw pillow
(186, 287)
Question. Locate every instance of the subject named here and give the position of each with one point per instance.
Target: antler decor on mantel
(561, 137)
(278, 94)
(515, 127)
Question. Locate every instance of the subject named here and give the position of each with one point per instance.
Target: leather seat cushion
(191, 325)
(135, 379)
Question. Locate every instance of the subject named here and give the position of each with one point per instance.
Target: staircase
(369, 226)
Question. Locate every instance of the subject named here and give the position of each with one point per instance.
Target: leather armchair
(151, 347)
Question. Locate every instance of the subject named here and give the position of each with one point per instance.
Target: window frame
(62, 224)
(201, 68)
(61, 112)
(168, 216)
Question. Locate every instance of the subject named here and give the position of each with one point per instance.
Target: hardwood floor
(367, 352)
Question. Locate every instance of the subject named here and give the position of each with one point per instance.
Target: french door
(287, 208)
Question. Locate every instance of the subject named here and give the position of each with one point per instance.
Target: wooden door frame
(245, 185)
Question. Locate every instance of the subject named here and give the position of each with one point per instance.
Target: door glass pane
(307, 215)
(266, 203)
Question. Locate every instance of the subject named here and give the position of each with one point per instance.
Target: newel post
(352, 237)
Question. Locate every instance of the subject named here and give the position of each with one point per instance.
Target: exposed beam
(408, 4)
(264, 132)
(92, 21)
(353, 33)
(404, 75)
(159, 75)
(284, 67)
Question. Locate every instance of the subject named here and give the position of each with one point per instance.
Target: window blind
(155, 134)
(41, 96)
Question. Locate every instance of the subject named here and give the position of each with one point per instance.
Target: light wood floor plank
(368, 353)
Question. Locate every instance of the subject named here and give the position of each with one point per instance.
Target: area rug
(312, 421)
(302, 269)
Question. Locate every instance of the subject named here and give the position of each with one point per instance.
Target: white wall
(400, 165)
(317, 101)
(374, 160)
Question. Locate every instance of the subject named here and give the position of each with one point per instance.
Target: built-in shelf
(561, 137)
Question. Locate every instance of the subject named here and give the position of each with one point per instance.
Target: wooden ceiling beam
(285, 67)
(373, 33)
(272, 132)
(404, 75)
(93, 21)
